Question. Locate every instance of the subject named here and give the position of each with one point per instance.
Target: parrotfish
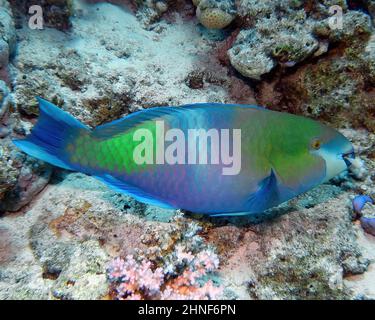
(263, 157)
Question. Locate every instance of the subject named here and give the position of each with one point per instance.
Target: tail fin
(49, 136)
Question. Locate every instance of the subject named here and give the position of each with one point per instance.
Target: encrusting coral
(215, 14)
(337, 88)
(281, 34)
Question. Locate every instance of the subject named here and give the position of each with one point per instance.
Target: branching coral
(177, 265)
(134, 279)
(139, 280)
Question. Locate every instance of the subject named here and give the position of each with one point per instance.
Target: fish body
(279, 157)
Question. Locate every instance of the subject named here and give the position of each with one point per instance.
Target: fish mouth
(348, 157)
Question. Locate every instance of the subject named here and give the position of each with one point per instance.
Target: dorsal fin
(134, 119)
(221, 105)
(131, 121)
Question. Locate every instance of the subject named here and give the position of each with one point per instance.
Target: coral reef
(24, 178)
(7, 50)
(275, 259)
(21, 178)
(8, 174)
(90, 95)
(7, 34)
(338, 89)
(151, 11)
(307, 253)
(285, 35)
(4, 100)
(60, 231)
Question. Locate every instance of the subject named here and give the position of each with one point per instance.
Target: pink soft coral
(137, 280)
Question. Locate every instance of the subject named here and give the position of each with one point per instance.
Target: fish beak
(348, 157)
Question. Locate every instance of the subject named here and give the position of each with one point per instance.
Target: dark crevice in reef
(50, 275)
(359, 5)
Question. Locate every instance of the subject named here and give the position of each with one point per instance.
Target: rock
(4, 54)
(8, 173)
(7, 250)
(355, 265)
(5, 99)
(23, 178)
(254, 55)
(84, 278)
(7, 29)
(67, 243)
(305, 253)
(371, 7)
(151, 11)
(285, 36)
(195, 80)
(7, 43)
(277, 261)
(250, 61)
(332, 90)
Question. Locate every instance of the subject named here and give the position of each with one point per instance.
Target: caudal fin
(50, 135)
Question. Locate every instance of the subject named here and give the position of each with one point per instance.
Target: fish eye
(315, 144)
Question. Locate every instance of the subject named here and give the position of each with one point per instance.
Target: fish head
(335, 149)
(305, 153)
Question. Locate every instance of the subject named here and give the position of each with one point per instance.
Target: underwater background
(64, 235)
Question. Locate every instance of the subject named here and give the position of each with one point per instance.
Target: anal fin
(230, 214)
(136, 193)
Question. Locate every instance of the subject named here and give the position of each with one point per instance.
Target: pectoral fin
(267, 196)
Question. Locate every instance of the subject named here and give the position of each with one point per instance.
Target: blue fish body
(278, 155)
